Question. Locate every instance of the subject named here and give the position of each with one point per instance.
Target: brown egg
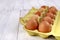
(48, 19)
(32, 24)
(53, 10)
(44, 27)
(43, 8)
(35, 17)
(51, 15)
(38, 13)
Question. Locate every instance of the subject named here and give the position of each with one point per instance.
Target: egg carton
(55, 31)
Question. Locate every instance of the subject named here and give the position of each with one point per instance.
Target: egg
(52, 9)
(32, 24)
(51, 15)
(44, 27)
(38, 13)
(43, 8)
(35, 17)
(48, 19)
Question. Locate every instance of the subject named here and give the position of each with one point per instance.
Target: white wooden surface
(9, 14)
(11, 10)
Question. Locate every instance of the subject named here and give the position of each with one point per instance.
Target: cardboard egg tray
(55, 31)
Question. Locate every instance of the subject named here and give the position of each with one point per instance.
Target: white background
(11, 10)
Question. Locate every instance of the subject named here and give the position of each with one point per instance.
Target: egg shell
(44, 27)
(50, 14)
(48, 19)
(32, 23)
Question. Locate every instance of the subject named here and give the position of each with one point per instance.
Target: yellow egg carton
(55, 31)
